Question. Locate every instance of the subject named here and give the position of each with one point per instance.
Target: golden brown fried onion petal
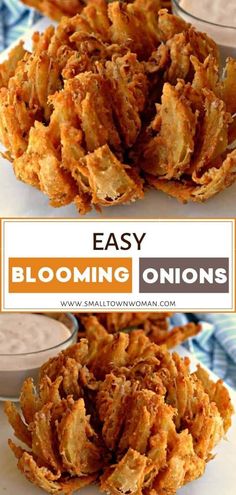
(143, 421)
(127, 476)
(156, 326)
(111, 181)
(77, 442)
(20, 429)
(213, 181)
(57, 8)
(187, 151)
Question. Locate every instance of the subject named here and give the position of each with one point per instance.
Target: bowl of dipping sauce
(217, 18)
(27, 341)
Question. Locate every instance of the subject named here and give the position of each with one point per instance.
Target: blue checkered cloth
(215, 346)
(15, 19)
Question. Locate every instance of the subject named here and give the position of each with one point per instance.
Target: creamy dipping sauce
(221, 12)
(26, 342)
(26, 333)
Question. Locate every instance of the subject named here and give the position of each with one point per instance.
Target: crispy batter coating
(189, 157)
(109, 180)
(117, 96)
(217, 394)
(138, 420)
(75, 153)
(213, 181)
(7, 68)
(40, 166)
(178, 127)
(127, 476)
(116, 322)
(182, 47)
(57, 8)
(155, 325)
(229, 85)
(77, 442)
(135, 24)
(17, 424)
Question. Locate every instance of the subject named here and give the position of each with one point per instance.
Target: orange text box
(73, 275)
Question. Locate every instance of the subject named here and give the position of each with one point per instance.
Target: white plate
(219, 478)
(18, 199)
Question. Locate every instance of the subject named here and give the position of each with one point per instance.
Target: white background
(73, 238)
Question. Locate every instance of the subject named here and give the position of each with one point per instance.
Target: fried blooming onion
(56, 9)
(121, 411)
(155, 325)
(116, 97)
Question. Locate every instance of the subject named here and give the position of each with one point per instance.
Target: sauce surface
(217, 11)
(26, 333)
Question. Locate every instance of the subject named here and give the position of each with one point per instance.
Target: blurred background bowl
(225, 36)
(28, 364)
